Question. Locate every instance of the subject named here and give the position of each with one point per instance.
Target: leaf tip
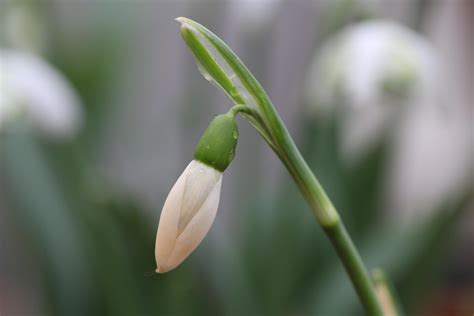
(181, 20)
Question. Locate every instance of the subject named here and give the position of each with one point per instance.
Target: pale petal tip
(184, 23)
(161, 270)
(181, 19)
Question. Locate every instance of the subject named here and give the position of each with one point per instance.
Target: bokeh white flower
(33, 90)
(386, 82)
(187, 214)
(372, 70)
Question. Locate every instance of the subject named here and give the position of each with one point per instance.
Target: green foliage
(94, 244)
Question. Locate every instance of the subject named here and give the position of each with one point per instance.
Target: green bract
(216, 148)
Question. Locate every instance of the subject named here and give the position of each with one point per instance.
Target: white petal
(200, 181)
(187, 215)
(197, 229)
(168, 226)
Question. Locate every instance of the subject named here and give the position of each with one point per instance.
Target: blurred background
(101, 105)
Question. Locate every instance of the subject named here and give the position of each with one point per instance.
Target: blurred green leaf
(47, 218)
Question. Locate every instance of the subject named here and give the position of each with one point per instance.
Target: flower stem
(242, 108)
(354, 266)
(332, 224)
(221, 64)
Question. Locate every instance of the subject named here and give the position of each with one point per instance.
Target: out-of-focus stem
(386, 294)
(333, 226)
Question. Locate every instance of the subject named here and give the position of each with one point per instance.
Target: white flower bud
(187, 214)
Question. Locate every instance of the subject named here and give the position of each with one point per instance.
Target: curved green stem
(333, 226)
(221, 65)
(242, 108)
(354, 266)
(257, 122)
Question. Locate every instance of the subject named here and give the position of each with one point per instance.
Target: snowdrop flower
(373, 69)
(191, 205)
(32, 89)
(387, 79)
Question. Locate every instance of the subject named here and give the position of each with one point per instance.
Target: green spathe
(216, 148)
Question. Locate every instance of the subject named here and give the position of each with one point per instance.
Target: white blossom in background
(32, 89)
(187, 214)
(384, 80)
(372, 70)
